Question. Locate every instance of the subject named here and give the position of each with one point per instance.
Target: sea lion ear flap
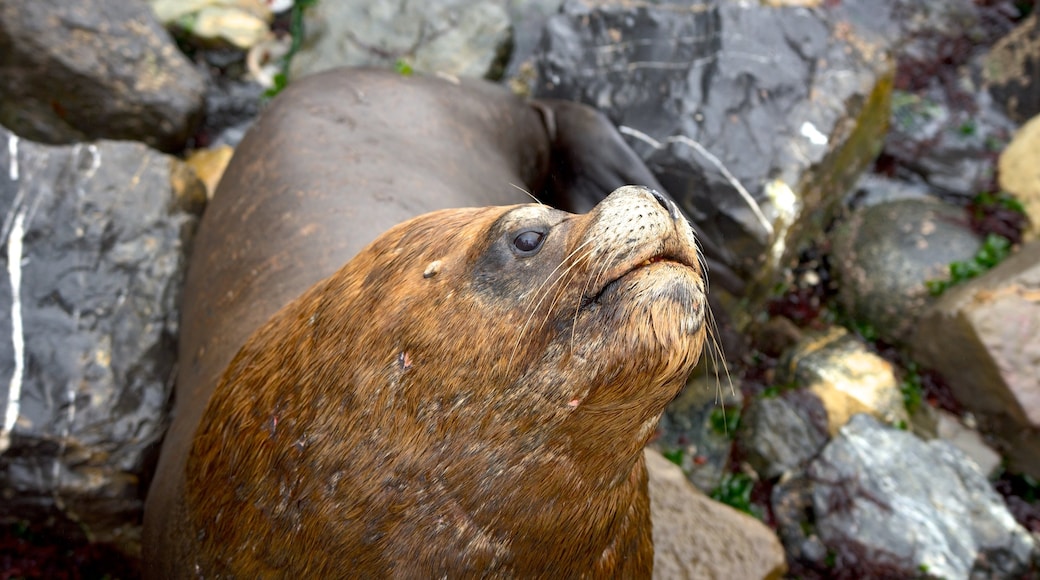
(590, 158)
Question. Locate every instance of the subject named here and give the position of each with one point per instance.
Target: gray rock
(529, 18)
(982, 336)
(883, 256)
(459, 37)
(785, 104)
(884, 499)
(94, 239)
(93, 69)
(782, 433)
(873, 189)
(949, 142)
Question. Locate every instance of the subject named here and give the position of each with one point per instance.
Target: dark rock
(728, 98)
(94, 240)
(529, 18)
(1011, 70)
(885, 500)
(782, 433)
(982, 335)
(93, 69)
(699, 426)
(883, 256)
(791, 502)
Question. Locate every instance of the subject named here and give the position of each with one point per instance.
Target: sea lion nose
(667, 204)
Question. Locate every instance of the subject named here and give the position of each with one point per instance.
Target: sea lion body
(257, 477)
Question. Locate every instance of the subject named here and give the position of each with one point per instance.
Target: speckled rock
(94, 239)
(884, 254)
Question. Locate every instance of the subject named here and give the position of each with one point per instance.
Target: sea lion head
(470, 394)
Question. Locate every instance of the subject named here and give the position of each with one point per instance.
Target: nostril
(671, 208)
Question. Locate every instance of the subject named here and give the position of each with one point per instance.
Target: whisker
(527, 193)
(541, 293)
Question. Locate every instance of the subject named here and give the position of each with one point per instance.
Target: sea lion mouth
(617, 275)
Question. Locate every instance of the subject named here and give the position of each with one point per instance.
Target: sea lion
(337, 159)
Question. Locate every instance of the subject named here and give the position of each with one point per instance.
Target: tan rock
(1020, 172)
(846, 376)
(209, 165)
(697, 537)
(983, 337)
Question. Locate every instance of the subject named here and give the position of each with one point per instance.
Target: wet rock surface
(93, 69)
(881, 496)
(95, 238)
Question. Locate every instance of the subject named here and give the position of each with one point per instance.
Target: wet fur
(376, 426)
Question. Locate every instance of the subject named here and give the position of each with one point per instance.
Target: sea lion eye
(528, 242)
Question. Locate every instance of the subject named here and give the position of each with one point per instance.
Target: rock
(699, 426)
(723, 99)
(1020, 172)
(240, 23)
(1011, 70)
(529, 18)
(969, 441)
(457, 37)
(846, 376)
(209, 165)
(94, 243)
(873, 189)
(982, 336)
(782, 433)
(885, 500)
(928, 422)
(883, 256)
(791, 503)
(696, 537)
(948, 141)
(93, 69)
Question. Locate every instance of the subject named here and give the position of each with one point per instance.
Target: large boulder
(887, 504)
(982, 336)
(756, 118)
(94, 69)
(94, 240)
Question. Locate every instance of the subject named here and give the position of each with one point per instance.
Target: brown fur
(442, 406)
